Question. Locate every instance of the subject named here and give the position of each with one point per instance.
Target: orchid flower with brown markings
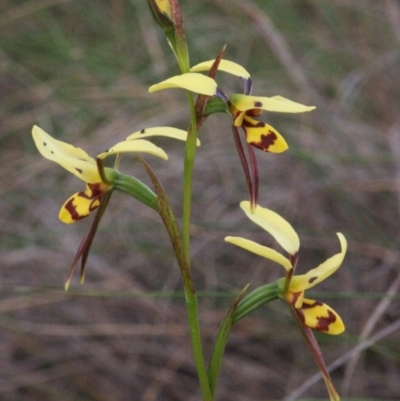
(309, 314)
(100, 182)
(313, 314)
(243, 109)
(78, 162)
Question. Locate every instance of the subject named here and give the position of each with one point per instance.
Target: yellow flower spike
(323, 271)
(74, 160)
(190, 81)
(321, 317)
(225, 65)
(276, 225)
(169, 132)
(138, 145)
(275, 103)
(263, 136)
(260, 250)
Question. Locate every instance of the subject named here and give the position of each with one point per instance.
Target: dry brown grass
(81, 71)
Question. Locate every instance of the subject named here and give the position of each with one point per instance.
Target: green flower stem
(191, 298)
(258, 297)
(190, 156)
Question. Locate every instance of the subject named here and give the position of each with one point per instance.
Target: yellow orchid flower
(98, 191)
(313, 314)
(79, 163)
(243, 108)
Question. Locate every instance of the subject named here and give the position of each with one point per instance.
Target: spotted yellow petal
(320, 316)
(263, 136)
(260, 250)
(190, 81)
(169, 132)
(74, 160)
(276, 225)
(275, 103)
(224, 65)
(136, 146)
(320, 273)
(80, 205)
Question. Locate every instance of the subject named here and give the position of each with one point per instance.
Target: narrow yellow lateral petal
(276, 225)
(225, 65)
(190, 81)
(263, 136)
(169, 132)
(260, 250)
(320, 316)
(322, 272)
(275, 103)
(80, 205)
(75, 160)
(136, 146)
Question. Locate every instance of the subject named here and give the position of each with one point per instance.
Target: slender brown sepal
(315, 352)
(243, 161)
(203, 99)
(168, 217)
(84, 247)
(254, 177)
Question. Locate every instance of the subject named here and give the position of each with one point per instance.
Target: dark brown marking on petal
(268, 140)
(52, 152)
(78, 170)
(96, 190)
(295, 297)
(311, 305)
(44, 144)
(71, 209)
(142, 131)
(312, 279)
(254, 112)
(249, 124)
(325, 321)
(257, 104)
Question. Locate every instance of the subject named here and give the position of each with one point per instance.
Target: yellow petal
(263, 136)
(73, 159)
(225, 65)
(275, 103)
(276, 225)
(80, 205)
(320, 273)
(191, 81)
(320, 316)
(169, 132)
(165, 7)
(137, 146)
(260, 250)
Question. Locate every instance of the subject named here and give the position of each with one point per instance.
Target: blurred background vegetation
(80, 70)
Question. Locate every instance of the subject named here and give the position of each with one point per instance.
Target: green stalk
(191, 298)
